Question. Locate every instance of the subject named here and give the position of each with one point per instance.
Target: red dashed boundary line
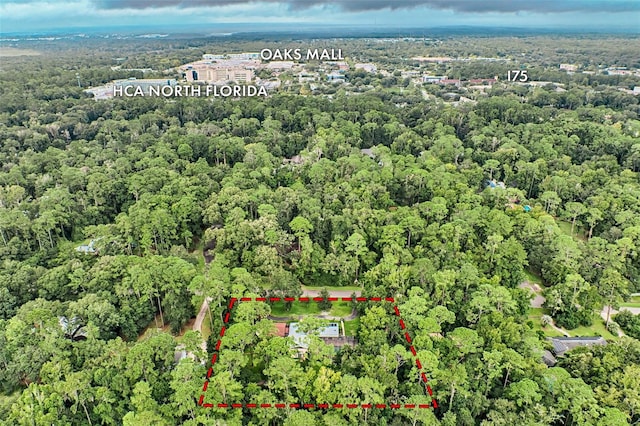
(407, 337)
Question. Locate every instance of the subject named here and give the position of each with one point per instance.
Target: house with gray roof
(329, 334)
(564, 344)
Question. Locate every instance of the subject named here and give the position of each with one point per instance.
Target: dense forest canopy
(192, 198)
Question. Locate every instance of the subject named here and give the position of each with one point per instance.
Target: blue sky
(43, 15)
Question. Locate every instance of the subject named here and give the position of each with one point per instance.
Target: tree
(357, 246)
(324, 304)
(300, 418)
(301, 228)
(612, 287)
(574, 210)
(77, 390)
(40, 405)
(146, 409)
(551, 201)
(285, 378)
(491, 165)
(594, 215)
(373, 329)
(185, 384)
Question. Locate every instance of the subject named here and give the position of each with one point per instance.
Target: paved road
(558, 329)
(306, 291)
(634, 311)
(197, 325)
(603, 314)
(537, 302)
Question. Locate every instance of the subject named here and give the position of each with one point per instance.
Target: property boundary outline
(407, 336)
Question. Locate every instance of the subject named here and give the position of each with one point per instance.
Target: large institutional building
(212, 74)
(223, 68)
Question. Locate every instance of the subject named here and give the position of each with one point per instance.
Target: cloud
(469, 6)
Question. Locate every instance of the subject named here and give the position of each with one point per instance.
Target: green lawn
(206, 327)
(548, 330)
(338, 309)
(565, 227)
(532, 278)
(297, 308)
(534, 316)
(536, 312)
(634, 302)
(351, 327)
(155, 326)
(595, 329)
(197, 250)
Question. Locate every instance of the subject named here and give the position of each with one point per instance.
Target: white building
(279, 65)
(569, 67)
(433, 78)
(245, 56)
(218, 73)
(368, 67)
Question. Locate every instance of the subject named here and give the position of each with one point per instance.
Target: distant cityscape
(248, 68)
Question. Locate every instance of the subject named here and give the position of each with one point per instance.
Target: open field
(595, 329)
(206, 327)
(351, 327)
(338, 309)
(534, 316)
(633, 302)
(8, 52)
(565, 226)
(152, 329)
(533, 278)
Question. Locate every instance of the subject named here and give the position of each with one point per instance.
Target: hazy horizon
(44, 16)
(335, 30)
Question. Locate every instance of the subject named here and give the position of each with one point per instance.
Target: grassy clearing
(595, 329)
(12, 51)
(565, 227)
(537, 311)
(533, 278)
(338, 309)
(152, 329)
(341, 309)
(297, 309)
(633, 302)
(206, 327)
(198, 250)
(535, 314)
(351, 327)
(548, 330)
